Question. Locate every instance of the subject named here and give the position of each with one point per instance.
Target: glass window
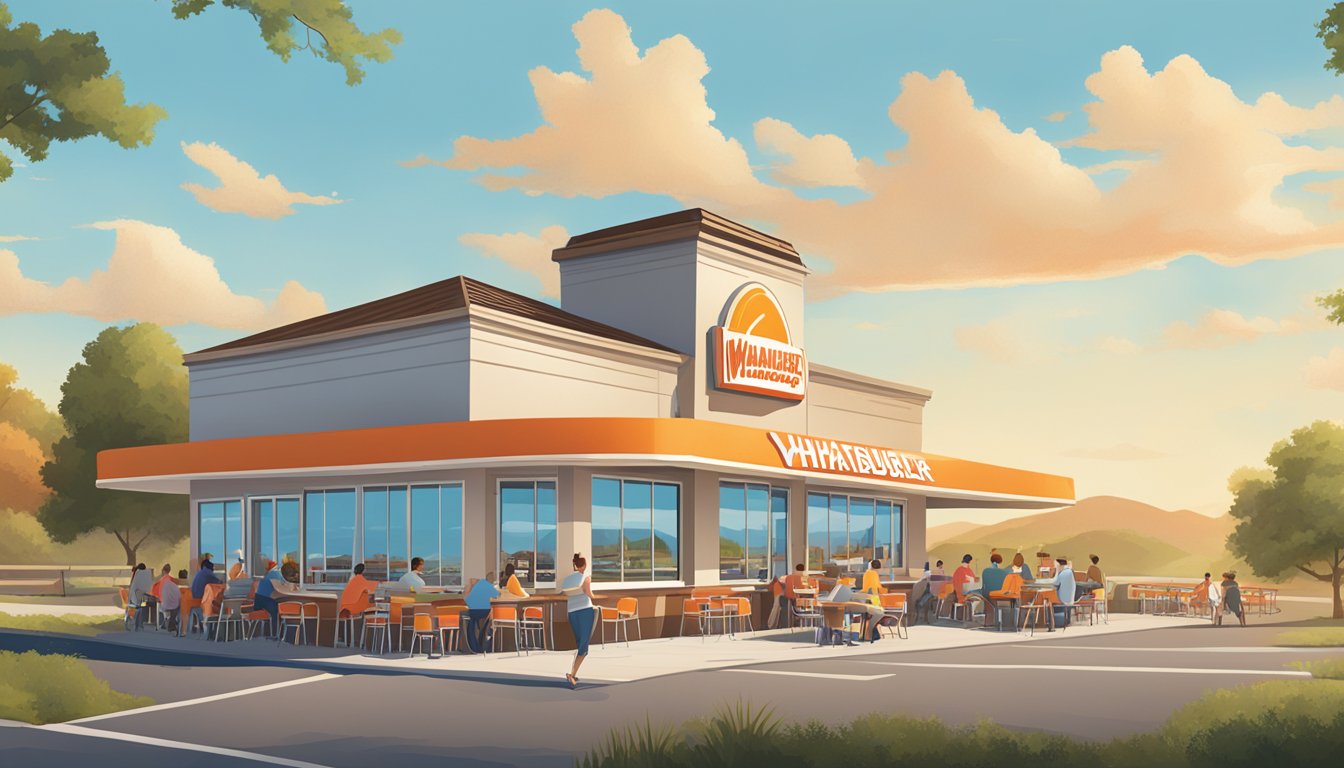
(606, 529)
(636, 530)
(666, 531)
(263, 533)
(546, 543)
(329, 535)
(450, 531)
(779, 532)
(219, 529)
(401, 522)
(527, 530)
(745, 540)
(425, 529)
(287, 535)
(375, 533)
(851, 530)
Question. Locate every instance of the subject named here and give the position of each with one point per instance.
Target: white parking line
(1209, 649)
(1079, 668)
(77, 730)
(205, 699)
(824, 675)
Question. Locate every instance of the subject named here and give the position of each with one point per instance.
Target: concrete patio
(616, 663)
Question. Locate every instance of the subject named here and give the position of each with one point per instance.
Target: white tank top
(580, 600)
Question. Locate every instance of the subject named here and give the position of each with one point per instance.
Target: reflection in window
(329, 535)
(745, 541)
(401, 522)
(527, 530)
(851, 530)
(274, 527)
(219, 529)
(636, 530)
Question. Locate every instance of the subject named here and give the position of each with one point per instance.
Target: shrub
(1325, 669)
(38, 689)
(1279, 723)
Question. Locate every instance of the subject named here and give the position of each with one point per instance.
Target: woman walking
(579, 588)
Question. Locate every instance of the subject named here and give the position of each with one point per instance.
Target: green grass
(68, 624)
(1324, 669)
(38, 689)
(1317, 637)
(1279, 723)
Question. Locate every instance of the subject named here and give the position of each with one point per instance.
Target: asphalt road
(1085, 687)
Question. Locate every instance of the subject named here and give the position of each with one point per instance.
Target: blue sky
(1080, 376)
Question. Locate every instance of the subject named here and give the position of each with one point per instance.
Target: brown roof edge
(455, 293)
(676, 226)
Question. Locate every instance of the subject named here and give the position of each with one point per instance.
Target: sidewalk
(643, 659)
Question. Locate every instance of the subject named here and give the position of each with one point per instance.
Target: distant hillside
(938, 534)
(1132, 538)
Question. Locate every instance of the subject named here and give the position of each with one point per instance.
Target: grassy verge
(1325, 669)
(35, 688)
(1316, 637)
(69, 624)
(1279, 723)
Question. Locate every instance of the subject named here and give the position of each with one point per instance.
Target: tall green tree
(130, 390)
(61, 87)
(1333, 304)
(1294, 520)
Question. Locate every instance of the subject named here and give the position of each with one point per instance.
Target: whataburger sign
(840, 458)
(753, 349)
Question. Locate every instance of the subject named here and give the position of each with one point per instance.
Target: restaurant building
(668, 419)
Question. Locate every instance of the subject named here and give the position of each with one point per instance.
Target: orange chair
(422, 631)
(348, 612)
(253, 620)
(1011, 593)
(626, 611)
(191, 612)
(694, 608)
(504, 617)
(736, 613)
(534, 626)
(378, 622)
(295, 615)
(396, 611)
(128, 610)
(1040, 608)
(210, 605)
(894, 606)
(450, 624)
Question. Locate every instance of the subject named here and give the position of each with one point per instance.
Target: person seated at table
(1065, 587)
(1095, 578)
(1231, 598)
(508, 582)
(965, 574)
(206, 575)
(414, 579)
(477, 628)
(857, 602)
(290, 570)
(358, 591)
(274, 581)
(991, 579)
(170, 598)
(872, 579)
(236, 571)
(141, 584)
(1020, 566)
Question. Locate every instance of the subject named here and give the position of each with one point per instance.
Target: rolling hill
(1132, 538)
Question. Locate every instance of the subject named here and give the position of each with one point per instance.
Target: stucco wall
(408, 376)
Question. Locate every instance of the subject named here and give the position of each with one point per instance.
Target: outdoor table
(328, 605)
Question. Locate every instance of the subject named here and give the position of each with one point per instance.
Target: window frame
(770, 489)
(275, 499)
(499, 525)
(681, 502)
(889, 569)
(356, 542)
(242, 501)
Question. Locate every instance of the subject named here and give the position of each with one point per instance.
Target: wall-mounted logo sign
(753, 350)
(840, 458)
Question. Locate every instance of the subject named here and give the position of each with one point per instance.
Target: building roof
(678, 226)
(455, 293)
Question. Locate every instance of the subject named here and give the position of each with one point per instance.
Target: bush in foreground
(69, 624)
(37, 688)
(1280, 723)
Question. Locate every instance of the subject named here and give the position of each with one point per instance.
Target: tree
(1333, 304)
(1330, 34)
(130, 389)
(27, 432)
(59, 87)
(21, 408)
(1295, 520)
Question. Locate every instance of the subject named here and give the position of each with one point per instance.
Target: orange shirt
(795, 581)
(963, 575)
(354, 595)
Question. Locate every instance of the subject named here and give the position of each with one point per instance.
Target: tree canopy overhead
(129, 390)
(61, 87)
(1294, 520)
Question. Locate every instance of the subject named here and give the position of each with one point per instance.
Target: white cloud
(967, 199)
(15, 238)
(1056, 117)
(153, 276)
(1223, 327)
(1326, 372)
(1118, 345)
(524, 252)
(241, 189)
(824, 160)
